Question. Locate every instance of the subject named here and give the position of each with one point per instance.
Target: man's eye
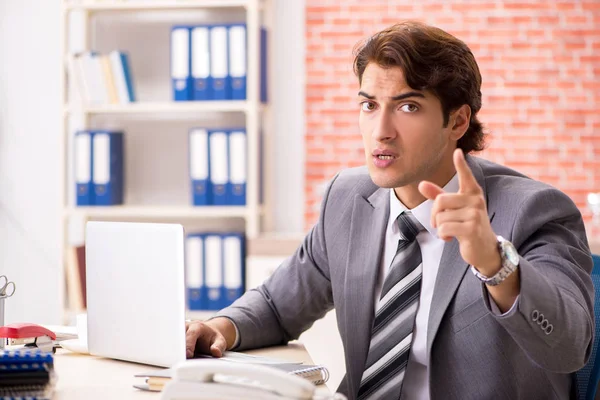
(409, 108)
(367, 106)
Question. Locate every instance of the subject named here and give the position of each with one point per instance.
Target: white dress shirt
(416, 385)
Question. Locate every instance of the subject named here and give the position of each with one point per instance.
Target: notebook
(26, 373)
(317, 374)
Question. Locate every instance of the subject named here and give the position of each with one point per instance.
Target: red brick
(565, 5)
(577, 20)
(521, 5)
(466, 7)
(590, 5)
(581, 45)
(594, 60)
(548, 20)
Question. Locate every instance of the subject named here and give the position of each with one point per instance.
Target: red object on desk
(24, 331)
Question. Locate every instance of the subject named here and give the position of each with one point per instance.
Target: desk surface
(88, 377)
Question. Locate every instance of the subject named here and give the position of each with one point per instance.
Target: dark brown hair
(431, 60)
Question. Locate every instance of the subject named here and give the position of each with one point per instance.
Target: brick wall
(540, 62)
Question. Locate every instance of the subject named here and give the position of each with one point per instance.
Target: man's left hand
(463, 215)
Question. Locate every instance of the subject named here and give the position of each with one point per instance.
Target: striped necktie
(391, 335)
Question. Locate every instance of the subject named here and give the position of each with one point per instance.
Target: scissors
(5, 286)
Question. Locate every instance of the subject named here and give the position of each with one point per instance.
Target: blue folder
(199, 166)
(219, 166)
(238, 45)
(238, 168)
(234, 270)
(220, 80)
(238, 61)
(83, 169)
(213, 271)
(128, 75)
(195, 271)
(200, 56)
(108, 167)
(181, 77)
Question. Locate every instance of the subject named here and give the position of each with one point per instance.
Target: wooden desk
(88, 377)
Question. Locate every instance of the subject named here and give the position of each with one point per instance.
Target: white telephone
(205, 379)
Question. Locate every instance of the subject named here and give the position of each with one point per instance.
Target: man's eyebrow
(395, 98)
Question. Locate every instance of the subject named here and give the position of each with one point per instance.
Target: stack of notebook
(26, 373)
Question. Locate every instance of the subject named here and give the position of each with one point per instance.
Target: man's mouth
(384, 157)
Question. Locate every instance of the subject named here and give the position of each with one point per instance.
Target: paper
(234, 356)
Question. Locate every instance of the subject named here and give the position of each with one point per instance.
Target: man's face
(402, 129)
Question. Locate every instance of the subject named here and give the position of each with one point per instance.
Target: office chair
(588, 376)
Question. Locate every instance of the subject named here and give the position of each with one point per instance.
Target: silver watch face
(510, 252)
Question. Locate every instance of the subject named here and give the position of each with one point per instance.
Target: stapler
(29, 335)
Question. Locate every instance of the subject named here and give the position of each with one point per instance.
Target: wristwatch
(510, 262)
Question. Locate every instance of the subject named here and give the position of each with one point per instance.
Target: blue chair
(588, 376)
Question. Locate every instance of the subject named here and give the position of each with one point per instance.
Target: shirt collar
(422, 212)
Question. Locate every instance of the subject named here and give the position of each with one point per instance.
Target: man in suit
(452, 277)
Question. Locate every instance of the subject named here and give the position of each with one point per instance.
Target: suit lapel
(451, 271)
(367, 235)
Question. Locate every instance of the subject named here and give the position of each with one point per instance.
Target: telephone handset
(213, 379)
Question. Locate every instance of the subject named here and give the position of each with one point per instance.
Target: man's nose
(384, 128)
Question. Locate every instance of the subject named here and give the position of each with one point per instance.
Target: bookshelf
(160, 212)
(159, 107)
(119, 5)
(79, 115)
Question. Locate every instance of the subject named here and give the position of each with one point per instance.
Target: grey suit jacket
(473, 353)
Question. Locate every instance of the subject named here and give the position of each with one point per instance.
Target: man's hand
(464, 216)
(211, 337)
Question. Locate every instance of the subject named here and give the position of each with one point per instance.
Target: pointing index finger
(466, 180)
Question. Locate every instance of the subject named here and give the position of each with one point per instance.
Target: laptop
(136, 300)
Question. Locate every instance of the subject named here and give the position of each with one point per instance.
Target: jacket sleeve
(291, 299)
(553, 318)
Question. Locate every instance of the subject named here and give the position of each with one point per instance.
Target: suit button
(540, 319)
(545, 324)
(534, 315)
(549, 329)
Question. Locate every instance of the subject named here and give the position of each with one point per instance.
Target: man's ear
(459, 121)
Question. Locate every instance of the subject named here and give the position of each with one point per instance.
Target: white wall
(290, 83)
(30, 221)
(29, 165)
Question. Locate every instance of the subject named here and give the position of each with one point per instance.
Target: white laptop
(136, 291)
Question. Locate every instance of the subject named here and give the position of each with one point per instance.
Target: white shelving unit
(257, 117)
(118, 5)
(161, 107)
(158, 212)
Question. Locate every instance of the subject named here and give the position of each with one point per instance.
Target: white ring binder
(317, 374)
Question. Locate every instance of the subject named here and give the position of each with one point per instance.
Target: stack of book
(102, 78)
(26, 373)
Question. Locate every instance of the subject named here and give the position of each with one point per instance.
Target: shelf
(112, 5)
(160, 211)
(163, 107)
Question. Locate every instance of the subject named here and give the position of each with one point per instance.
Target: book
(317, 374)
(80, 255)
(76, 287)
(26, 373)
